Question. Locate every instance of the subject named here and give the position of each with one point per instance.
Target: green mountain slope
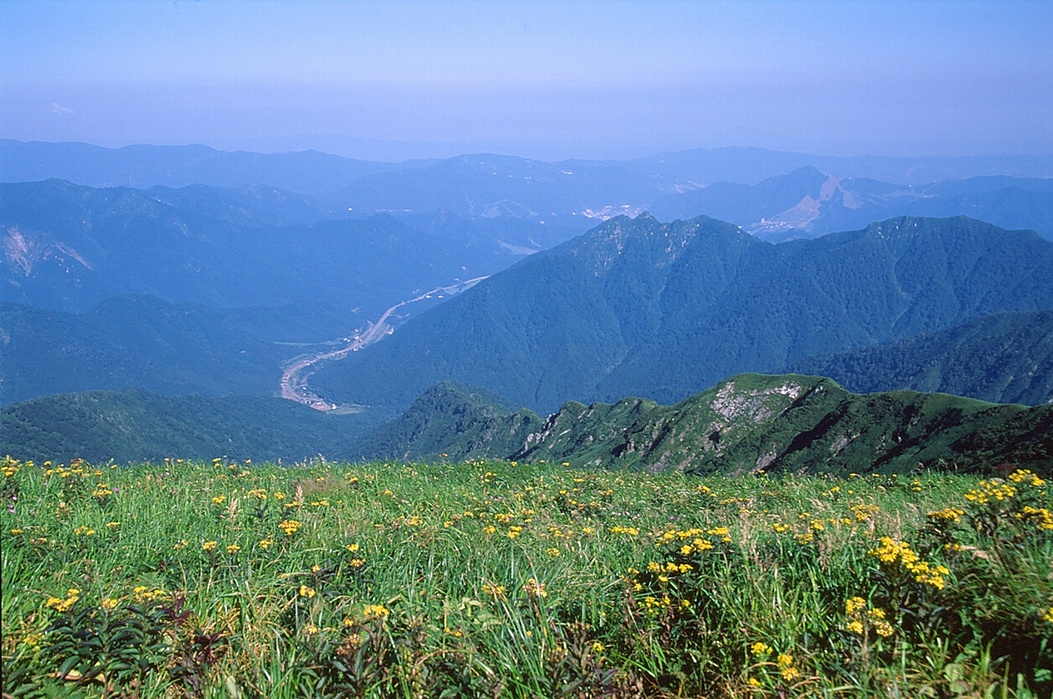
(638, 307)
(787, 423)
(133, 425)
(450, 421)
(144, 342)
(1004, 358)
(794, 423)
(781, 423)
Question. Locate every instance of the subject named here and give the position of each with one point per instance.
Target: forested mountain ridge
(136, 426)
(71, 247)
(638, 307)
(798, 424)
(1003, 358)
(787, 423)
(145, 342)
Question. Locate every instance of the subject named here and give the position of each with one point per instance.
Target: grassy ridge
(506, 579)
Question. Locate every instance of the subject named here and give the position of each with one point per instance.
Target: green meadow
(497, 579)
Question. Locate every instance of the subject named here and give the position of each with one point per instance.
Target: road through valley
(294, 381)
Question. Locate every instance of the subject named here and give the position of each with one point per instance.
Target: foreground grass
(501, 579)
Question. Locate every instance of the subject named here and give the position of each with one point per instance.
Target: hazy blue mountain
(311, 172)
(806, 203)
(492, 186)
(70, 247)
(638, 307)
(143, 166)
(752, 165)
(1004, 358)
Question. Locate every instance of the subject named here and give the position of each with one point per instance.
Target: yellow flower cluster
(533, 588)
(760, 649)
(64, 605)
(786, 668)
(289, 526)
(375, 611)
(692, 541)
(670, 568)
(75, 469)
(860, 618)
(628, 531)
(991, 490)
(864, 512)
(1041, 516)
(948, 514)
(653, 605)
(145, 594)
(493, 590)
(893, 553)
(1026, 477)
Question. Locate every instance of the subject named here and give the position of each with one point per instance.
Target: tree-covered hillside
(787, 423)
(1004, 358)
(145, 342)
(638, 307)
(133, 425)
(70, 247)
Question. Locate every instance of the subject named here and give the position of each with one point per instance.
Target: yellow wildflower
(760, 649)
(375, 611)
(533, 588)
(289, 526)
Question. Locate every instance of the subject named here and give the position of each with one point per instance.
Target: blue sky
(394, 80)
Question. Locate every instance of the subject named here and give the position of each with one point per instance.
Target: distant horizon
(644, 153)
(550, 80)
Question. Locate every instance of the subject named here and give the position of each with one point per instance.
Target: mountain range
(131, 278)
(639, 307)
(776, 195)
(315, 173)
(745, 424)
(806, 203)
(70, 247)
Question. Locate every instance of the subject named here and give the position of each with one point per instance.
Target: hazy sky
(395, 80)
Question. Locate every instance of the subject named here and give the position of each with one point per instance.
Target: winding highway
(295, 376)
